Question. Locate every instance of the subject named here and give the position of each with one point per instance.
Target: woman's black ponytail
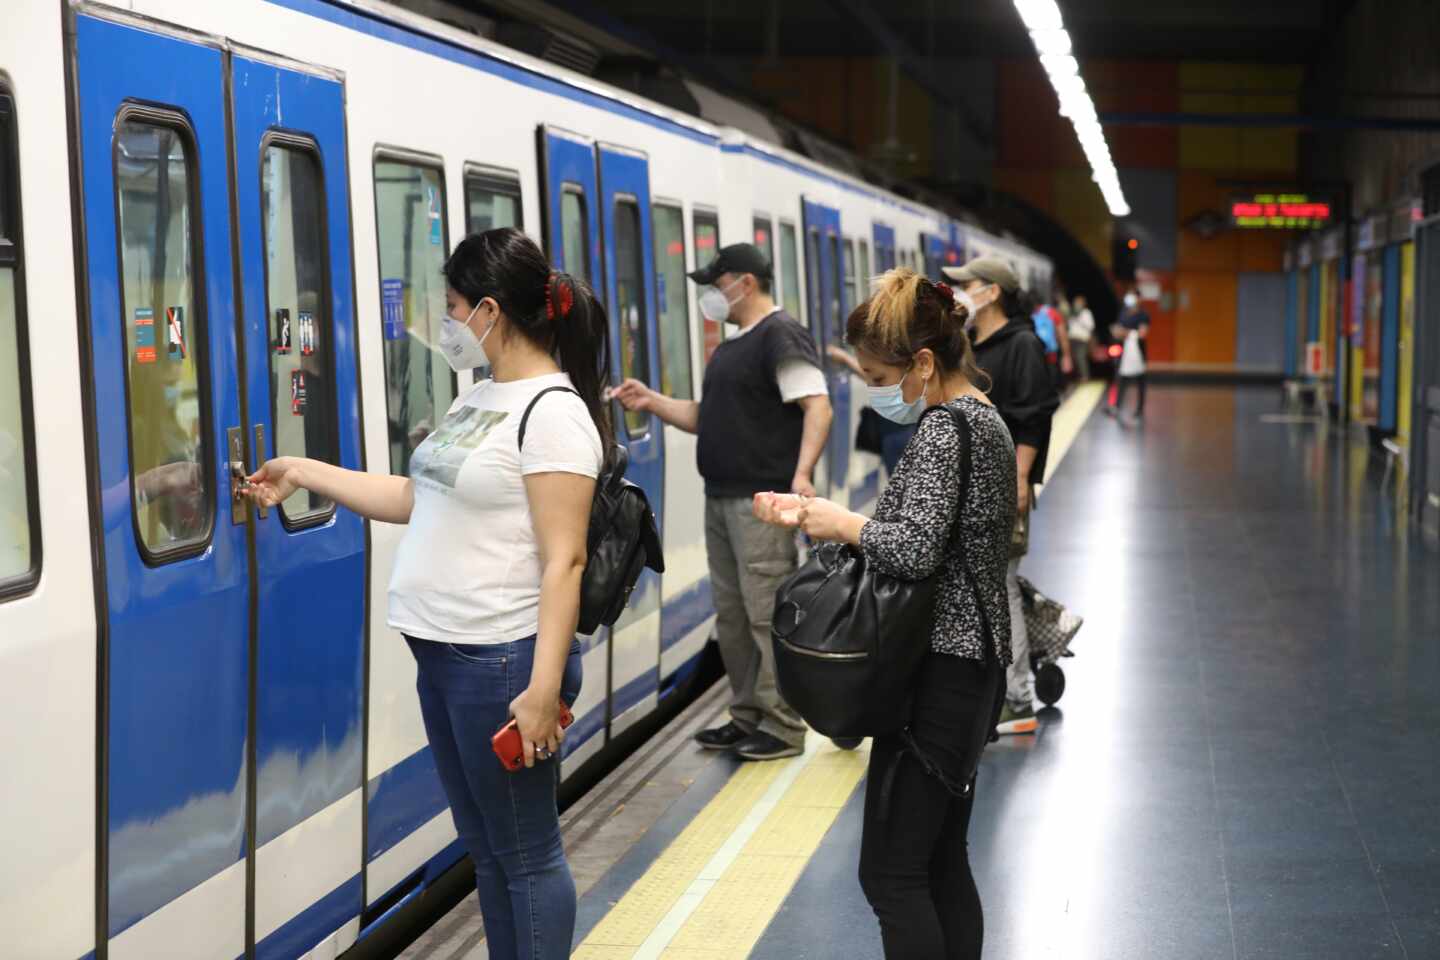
(581, 345)
(555, 311)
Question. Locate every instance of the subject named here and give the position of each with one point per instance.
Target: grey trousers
(748, 562)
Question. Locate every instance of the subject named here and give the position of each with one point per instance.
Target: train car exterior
(212, 742)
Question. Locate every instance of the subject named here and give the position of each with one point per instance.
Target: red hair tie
(946, 292)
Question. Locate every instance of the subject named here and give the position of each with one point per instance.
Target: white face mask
(1132, 301)
(463, 350)
(715, 305)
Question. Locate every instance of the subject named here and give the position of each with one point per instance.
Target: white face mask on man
(715, 303)
(463, 350)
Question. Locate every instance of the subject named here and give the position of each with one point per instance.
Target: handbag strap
(962, 427)
(525, 420)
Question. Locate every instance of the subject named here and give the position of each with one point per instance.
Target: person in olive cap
(763, 419)
(1008, 349)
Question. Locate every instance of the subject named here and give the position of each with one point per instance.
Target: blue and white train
(221, 230)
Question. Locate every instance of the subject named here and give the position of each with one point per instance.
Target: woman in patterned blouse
(914, 863)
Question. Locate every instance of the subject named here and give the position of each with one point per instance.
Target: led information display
(1279, 211)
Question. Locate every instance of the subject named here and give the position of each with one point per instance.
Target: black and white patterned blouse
(911, 534)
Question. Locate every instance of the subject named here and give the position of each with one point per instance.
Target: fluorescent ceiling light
(1052, 42)
(1039, 14)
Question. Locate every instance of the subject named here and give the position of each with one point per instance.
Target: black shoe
(762, 746)
(847, 743)
(721, 738)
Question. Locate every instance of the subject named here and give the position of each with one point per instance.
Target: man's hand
(634, 395)
(801, 486)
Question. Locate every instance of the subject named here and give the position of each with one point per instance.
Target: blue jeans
(508, 822)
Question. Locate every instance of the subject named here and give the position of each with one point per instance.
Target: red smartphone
(507, 744)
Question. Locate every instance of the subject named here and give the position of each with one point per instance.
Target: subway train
(221, 232)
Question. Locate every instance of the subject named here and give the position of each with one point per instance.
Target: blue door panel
(626, 173)
(311, 579)
(571, 160)
(177, 632)
(1292, 322)
(829, 308)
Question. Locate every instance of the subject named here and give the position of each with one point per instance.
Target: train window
(790, 273)
(765, 240)
(852, 277)
(863, 287)
(575, 232)
(675, 378)
(837, 308)
(814, 284)
(164, 334)
(411, 236)
(707, 248)
(298, 307)
(630, 305)
(19, 517)
(492, 200)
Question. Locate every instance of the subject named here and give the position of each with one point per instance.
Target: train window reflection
(163, 336)
(790, 269)
(575, 232)
(19, 523)
(630, 306)
(411, 235)
(673, 301)
(706, 226)
(491, 202)
(301, 381)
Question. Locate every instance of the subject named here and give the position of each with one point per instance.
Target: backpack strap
(525, 419)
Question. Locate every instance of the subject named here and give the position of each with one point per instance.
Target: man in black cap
(763, 419)
(1008, 349)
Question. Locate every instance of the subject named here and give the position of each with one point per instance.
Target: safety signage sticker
(282, 330)
(307, 333)
(392, 308)
(297, 392)
(175, 333)
(144, 335)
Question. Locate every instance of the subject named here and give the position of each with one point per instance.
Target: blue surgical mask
(890, 403)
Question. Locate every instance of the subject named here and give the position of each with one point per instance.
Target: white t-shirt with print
(468, 568)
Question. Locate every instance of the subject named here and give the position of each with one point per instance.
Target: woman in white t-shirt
(486, 585)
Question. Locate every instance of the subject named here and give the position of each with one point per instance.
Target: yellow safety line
(1069, 419)
(698, 901)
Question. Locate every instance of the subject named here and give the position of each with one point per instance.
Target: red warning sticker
(144, 335)
(297, 392)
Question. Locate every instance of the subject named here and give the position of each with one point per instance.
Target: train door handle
(259, 461)
(239, 479)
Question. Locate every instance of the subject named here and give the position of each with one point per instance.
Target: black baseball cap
(736, 258)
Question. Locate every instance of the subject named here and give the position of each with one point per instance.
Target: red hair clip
(946, 292)
(567, 297)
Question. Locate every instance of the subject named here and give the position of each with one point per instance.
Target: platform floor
(1244, 764)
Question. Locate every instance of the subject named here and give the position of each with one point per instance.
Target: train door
(298, 355)
(827, 321)
(884, 247)
(165, 381)
(932, 249)
(631, 301)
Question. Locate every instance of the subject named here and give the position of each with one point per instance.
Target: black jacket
(1021, 387)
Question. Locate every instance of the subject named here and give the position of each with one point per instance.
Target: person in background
(914, 855)
(1050, 328)
(486, 584)
(1080, 333)
(1132, 329)
(763, 419)
(1013, 357)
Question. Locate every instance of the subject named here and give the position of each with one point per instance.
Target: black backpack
(623, 538)
(849, 640)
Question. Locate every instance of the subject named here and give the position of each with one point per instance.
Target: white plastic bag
(1132, 361)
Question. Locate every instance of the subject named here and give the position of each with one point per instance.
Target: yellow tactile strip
(642, 908)
(1071, 416)
(729, 913)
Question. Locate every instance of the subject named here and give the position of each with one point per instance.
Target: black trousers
(914, 854)
(1123, 386)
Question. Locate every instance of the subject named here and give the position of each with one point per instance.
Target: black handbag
(622, 539)
(849, 639)
(869, 435)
